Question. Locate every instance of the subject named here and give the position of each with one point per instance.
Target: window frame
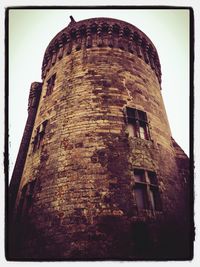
(137, 120)
(26, 199)
(151, 192)
(40, 132)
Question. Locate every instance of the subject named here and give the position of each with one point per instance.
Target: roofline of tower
(74, 28)
(103, 20)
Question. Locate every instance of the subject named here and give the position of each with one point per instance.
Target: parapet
(101, 32)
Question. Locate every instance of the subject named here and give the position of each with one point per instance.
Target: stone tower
(98, 175)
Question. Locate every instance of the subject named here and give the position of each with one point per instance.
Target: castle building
(98, 174)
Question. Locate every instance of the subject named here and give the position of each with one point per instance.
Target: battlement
(101, 32)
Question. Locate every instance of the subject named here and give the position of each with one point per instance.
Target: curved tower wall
(81, 167)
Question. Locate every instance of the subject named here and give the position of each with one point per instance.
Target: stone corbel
(110, 36)
(68, 45)
(44, 71)
(138, 41)
(48, 61)
(157, 67)
(60, 49)
(151, 54)
(145, 47)
(99, 36)
(156, 64)
(130, 43)
(54, 55)
(120, 40)
(88, 37)
(78, 40)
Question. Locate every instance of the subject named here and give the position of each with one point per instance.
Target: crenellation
(101, 34)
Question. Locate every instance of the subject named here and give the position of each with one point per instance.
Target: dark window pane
(141, 196)
(44, 124)
(142, 115)
(152, 178)
(131, 120)
(152, 199)
(139, 175)
(155, 198)
(131, 112)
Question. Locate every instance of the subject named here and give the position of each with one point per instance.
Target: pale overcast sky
(30, 32)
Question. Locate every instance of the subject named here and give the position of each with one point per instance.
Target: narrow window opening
(40, 132)
(50, 84)
(29, 195)
(26, 199)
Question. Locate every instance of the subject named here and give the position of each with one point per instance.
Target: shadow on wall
(108, 238)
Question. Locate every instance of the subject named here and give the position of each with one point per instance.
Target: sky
(30, 32)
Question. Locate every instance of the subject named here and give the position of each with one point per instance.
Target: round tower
(101, 178)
